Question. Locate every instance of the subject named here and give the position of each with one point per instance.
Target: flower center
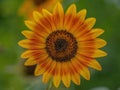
(61, 45)
(38, 2)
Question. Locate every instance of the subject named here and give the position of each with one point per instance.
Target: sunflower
(30, 5)
(62, 45)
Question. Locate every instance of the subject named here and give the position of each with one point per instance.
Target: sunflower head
(62, 45)
(29, 6)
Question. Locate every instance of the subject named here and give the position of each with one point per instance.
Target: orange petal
(86, 51)
(77, 21)
(57, 75)
(91, 62)
(88, 35)
(75, 77)
(42, 66)
(85, 27)
(48, 17)
(43, 21)
(39, 70)
(96, 43)
(49, 71)
(34, 53)
(91, 52)
(83, 70)
(58, 16)
(69, 17)
(29, 44)
(66, 78)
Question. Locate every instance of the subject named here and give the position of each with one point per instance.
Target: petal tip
(84, 10)
(99, 69)
(88, 77)
(36, 73)
(56, 84)
(29, 24)
(37, 16)
(20, 43)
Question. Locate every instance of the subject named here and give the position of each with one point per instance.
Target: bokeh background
(12, 71)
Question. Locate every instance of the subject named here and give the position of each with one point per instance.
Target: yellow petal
(30, 24)
(99, 53)
(46, 77)
(58, 15)
(24, 43)
(85, 73)
(57, 75)
(84, 28)
(96, 32)
(48, 20)
(97, 43)
(100, 43)
(27, 34)
(46, 13)
(76, 78)
(50, 68)
(88, 35)
(58, 9)
(90, 22)
(71, 10)
(37, 16)
(83, 70)
(82, 14)
(69, 17)
(94, 64)
(26, 54)
(30, 61)
(77, 21)
(91, 62)
(66, 78)
(44, 25)
(43, 65)
(39, 70)
(34, 53)
(31, 44)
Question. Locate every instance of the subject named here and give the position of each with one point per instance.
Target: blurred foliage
(107, 13)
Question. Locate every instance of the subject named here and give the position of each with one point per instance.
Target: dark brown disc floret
(61, 45)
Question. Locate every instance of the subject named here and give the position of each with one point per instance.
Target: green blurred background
(12, 77)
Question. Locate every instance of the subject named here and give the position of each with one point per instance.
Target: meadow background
(12, 76)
